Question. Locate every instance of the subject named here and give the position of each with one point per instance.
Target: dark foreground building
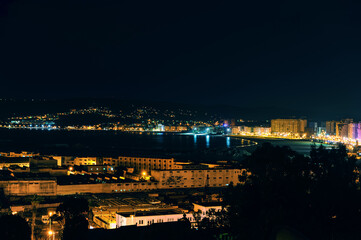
(161, 231)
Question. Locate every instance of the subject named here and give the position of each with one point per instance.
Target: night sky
(292, 54)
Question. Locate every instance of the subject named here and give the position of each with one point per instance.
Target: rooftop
(209, 204)
(151, 213)
(14, 159)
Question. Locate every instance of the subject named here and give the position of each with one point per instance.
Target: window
(140, 221)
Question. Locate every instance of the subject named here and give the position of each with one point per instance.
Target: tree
(34, 205)
(13, 227)
(73, 212)
(197, 217)
(313, 195)
(215, 220)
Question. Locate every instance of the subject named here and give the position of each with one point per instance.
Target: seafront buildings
(64, 175)
(288, 126)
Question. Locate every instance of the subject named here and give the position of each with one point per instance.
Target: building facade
(292, 126)
(195, 178)
(145, 218)
(141, 163)
(204, 208)
(331, 128)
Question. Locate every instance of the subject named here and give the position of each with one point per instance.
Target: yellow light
(51, 214)
(50, 232)
(71, 169)
(144, 173)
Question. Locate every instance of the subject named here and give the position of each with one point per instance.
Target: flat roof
(209, 204)
(151, 213)
(195, 168)
(14, 159)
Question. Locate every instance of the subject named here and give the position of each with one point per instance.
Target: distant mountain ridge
(20, 107)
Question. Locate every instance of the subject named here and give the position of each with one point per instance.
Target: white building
(144, 218)
(204, 208)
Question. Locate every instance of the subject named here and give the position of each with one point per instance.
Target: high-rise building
(331, 127)
(354, 131)
(342, 128)
(293, 126)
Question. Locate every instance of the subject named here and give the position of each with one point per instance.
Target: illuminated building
(86, 161)
(193, 178)
(342, 128)
(25, 187)
(97, 168)
(261, 130)
(292, 126)
(236, 130)
(331, 127)
(6, 162)
(106, 221)
(18, 154)
(145, 218)
(205, 207)
(71, 161)
(354, 131)
(141, 163)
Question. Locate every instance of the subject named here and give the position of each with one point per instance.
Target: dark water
(110, 143)
(300, 146)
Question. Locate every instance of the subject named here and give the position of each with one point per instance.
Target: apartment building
(141, 163)
(293, 126)
(194, 178)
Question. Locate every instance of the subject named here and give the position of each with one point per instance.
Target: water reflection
(207, 141)
(228, 141)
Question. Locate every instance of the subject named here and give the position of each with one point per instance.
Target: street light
(50, 232)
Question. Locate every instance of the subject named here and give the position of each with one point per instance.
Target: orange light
(50, 232)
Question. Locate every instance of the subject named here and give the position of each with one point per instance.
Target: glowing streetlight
(51, 232)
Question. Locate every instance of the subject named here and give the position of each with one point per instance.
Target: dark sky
(293, 54)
